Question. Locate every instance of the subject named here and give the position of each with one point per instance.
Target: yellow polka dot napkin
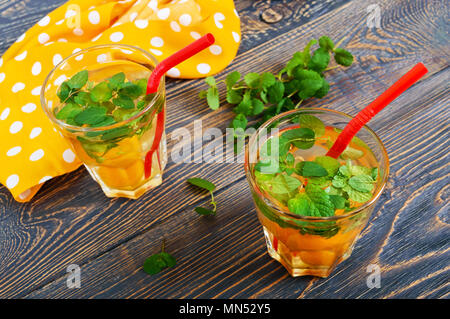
(31, 151)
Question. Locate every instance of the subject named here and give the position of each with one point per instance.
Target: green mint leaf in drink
(202, 183)
(310, 169)
(69, 111)
(339, 202)
(343, 57)
(313, 202)
(124, 101)
(116, 81)
(133, 90)
(91, 115)
(63, 92)
(352, 153)
(101, 92)
(361, 183)
(78, 80)
(330, 164)
(313, 123)
(117, 132)
(302, 138)
(357, 196)
(284, 184)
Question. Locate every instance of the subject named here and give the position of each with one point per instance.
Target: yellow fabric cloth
(31, 151)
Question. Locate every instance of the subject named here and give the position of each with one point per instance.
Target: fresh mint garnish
(265, 95)
(210, 187)
(156, 263)
(88, 104)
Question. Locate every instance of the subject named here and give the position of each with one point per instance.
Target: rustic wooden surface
(71, 221)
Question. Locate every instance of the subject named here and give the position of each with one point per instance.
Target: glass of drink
(96, 98)
(313, 207)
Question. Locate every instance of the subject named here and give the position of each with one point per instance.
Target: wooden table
(70, 221)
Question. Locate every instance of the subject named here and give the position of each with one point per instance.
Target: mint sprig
(355, 182)
(264, 95)
(157, 262)
(210, 187)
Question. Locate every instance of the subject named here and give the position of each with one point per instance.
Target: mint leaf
(252, 80)
(78, 80)
(352, 153)
(63, 92)
(133, 90)
(326, 43)
(314, 202)
(361, 183)
(309, 87)
(313, 123)
(267, 80)
(319, 61)
(339, 181)
(157, 262)
(91, 115)
(284, 184)
(212, 96)
(204, 211)
(116, 81)
(202, 183)
(339, 202)
(310, 169)
(330, 164)
(323, 90)
(69, 111)
(124, 102)
(101, 92)
(257, 107)
(117, 132)
(357, 196)
(303, 138)
(232, 78)
(343, 57)
(211, 81)
(239, 122)
(275, 92)
(233, 97)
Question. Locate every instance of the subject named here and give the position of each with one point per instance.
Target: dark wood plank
(71, 222)
(225, 257)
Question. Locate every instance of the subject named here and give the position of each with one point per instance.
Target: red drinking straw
(153, 84)
(376, 106)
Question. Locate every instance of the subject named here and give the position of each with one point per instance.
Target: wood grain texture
(70, 221)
